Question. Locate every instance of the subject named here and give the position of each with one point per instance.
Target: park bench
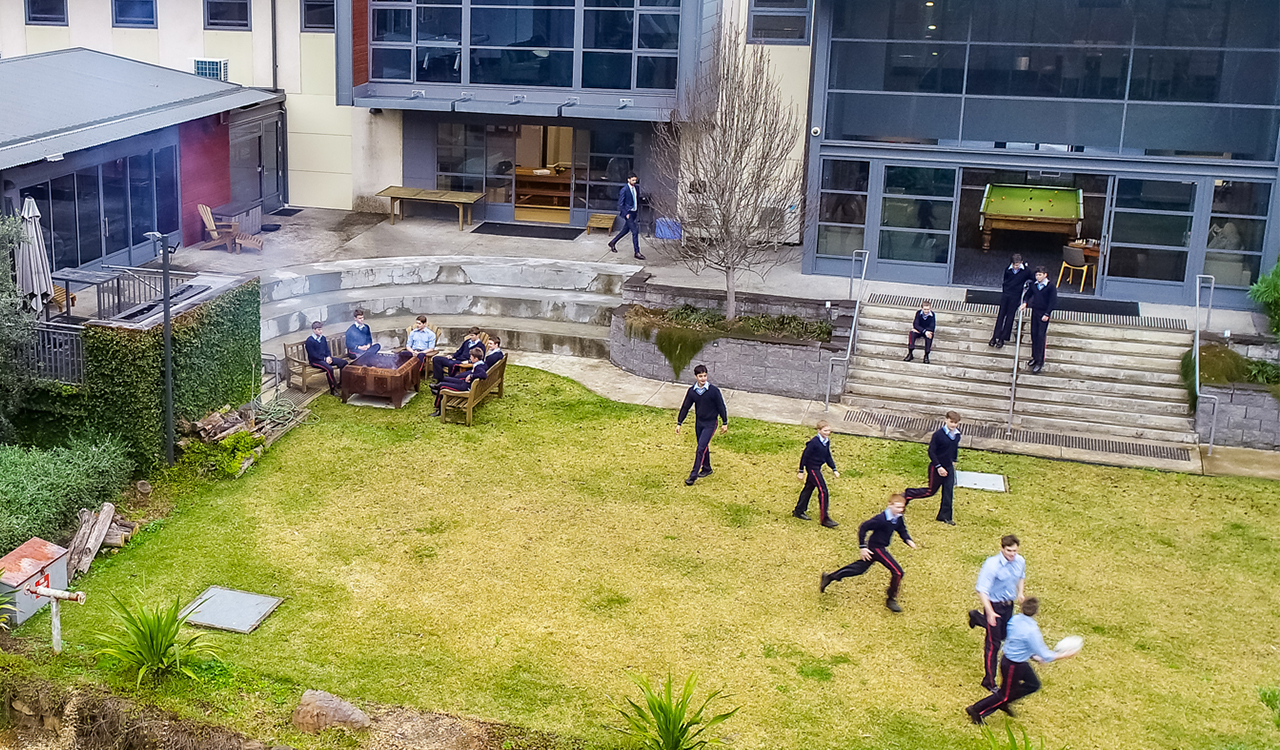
(480, 389)
(296, 364)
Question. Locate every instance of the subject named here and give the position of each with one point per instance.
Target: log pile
(106, 528)
(218, 425)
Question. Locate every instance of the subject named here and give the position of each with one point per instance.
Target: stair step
(983, 322)
(974, 339)
(1092, 365)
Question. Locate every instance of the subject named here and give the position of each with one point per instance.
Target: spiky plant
(667, 721)
(147, 640)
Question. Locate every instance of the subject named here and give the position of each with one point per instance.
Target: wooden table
(398, 195)
(1029, 208)
(387, 374)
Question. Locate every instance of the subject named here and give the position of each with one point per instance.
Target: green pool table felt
(1019, 201)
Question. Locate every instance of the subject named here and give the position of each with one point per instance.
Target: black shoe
(435, 413)
(612, 248)
(1008, 710)
(705, 473)
(976, 620)
(947, 521)
(689, 482)
(333, 391)
(435, 388)
(823, 582)
(926, 359)
(1031, 363)
(893, 605)
(1037, 368)
(994, 341)
(910, 356)
(974, 716)
(639, 256)
(801, 515)
(829, 523)
(999, 343)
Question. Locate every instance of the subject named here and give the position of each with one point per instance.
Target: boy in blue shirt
(359, 336)
(422, 341)
(1018, 679)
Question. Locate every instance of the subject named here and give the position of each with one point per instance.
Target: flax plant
(147, 640)
(6, 606)
(665, 721)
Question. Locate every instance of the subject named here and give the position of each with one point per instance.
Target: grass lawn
(516, 570)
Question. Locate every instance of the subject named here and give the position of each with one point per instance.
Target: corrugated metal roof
(69, 100)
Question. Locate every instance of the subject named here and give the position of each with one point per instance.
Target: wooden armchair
(226, 234)
(296, 366)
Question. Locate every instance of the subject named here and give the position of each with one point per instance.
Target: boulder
(319, 710)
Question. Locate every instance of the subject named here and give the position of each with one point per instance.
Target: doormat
(228, 609)
(532, 231)
(286, 211)
(1069, 304)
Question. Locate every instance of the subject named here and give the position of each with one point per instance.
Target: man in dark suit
(442, 362)
(881, 527)
(1012, 286)
(319, 356)
(462, 383)
(923, 326)
(817, 453)
(944, 448)
(629, 212)
(1042, 298)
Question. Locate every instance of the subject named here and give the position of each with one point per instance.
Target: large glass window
(226, 14)
(1071, 72)
(138, 13)
(317, 15)
(1237, 227)
(900, 66)
(916, 209)
(1151, 229)
(778, 22)
(47, 12)
(842, 207)
(602, 160)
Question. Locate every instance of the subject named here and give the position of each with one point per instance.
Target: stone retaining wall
(1254, 345)
(1248, 416)
(785, 368)
(638, 290)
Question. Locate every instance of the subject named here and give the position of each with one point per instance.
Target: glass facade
(1178, 78)
(46, 12)
(593, 44)
(915, 214)
(842, 207)
(134, 13)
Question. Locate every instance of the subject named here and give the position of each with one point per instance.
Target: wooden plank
(96, 536)
(87, 520)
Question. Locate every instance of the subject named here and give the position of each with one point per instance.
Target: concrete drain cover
(975, 480)
(228, 609)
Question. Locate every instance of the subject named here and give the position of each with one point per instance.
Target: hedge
(42, 490)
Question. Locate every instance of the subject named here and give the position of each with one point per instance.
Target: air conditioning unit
(210, 67)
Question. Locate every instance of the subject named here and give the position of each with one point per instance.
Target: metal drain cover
(228, 609)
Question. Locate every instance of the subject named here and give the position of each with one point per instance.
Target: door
(1152, 223)
(246, 169)
(271, 157)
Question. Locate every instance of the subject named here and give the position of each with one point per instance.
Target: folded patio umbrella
(35, 283)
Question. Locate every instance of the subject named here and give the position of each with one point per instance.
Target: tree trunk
(731, 295)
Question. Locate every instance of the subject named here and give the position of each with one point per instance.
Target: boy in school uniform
(944, 448)
(1041, 298)
(1017, 678)
(923, 326)
(709, 408)
(359, 336)
(1001, 583)
(494, 352)
(442, 362)
(817, 452)
(319, 356)
(462, 383)
(1014, 283)
(422, 341)
(874, 536)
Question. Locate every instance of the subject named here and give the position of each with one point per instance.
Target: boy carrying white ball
(1023, 643)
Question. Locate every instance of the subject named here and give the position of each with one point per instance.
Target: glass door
(246, 170)
(272, 184)
(115, 207)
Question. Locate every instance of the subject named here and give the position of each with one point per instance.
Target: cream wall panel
(182, 40)
(311, 152)
(90, 24)
(237, 46)
(13, 37)
(318, 65)
(47, 38)
(137, 44)
(260, 20)
(378, 153)
(309, 113)
(320, 190)
(289, 18)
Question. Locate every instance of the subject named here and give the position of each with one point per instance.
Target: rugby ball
(1069, 645)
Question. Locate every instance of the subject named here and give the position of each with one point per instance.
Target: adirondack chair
(226, 234)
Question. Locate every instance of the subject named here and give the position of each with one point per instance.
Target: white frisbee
(1069, 645)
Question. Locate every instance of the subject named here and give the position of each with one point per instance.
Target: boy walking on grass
(880, 529)
(708, 410)
(816, 453)
(944, 448)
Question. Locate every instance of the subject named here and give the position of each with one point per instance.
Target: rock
(144, 487)
(22, 708)
(405, 729)
(319, 710)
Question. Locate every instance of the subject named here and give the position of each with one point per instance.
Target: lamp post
(158, 241)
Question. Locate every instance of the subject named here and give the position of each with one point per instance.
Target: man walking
(1014, 284)
(817, 452)
(1017, 678)
(708, 410)
(629, 212)
(1000, 585)
(944, 448)
(874, 536)
(1042, 298)
(922, 327)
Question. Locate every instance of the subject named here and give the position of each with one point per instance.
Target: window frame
(309, 29)
(754, 12)
(248, 23)
(118, 24)
(26, 7)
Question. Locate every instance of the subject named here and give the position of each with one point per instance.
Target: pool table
(1027, 208)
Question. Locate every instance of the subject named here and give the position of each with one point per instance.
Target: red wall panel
(205, 155)
(359, 42)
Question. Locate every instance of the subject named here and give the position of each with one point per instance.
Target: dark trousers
(331, 371)
(813, 480)
(440, 363)
(1018, 680)
(878, 555)
(1039, 331)
(629, 224)
(1009, 304)
(994, 638)
(702, 458)
(911, 342)
(936, 481)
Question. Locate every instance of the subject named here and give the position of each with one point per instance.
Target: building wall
(203, 143)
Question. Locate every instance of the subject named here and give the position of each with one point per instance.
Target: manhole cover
(228, 609)
(976, 480)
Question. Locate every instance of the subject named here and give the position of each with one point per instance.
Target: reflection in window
(778, 21)
(47, 12)
(914, 247)
(878, 66)
(843, 202)
(1233, 269)
(1053, 21)
(1158, 195)
(1154, 264)
(1242, 198)
(1048, 71)
(392, 25)
(920, 181)
(140, 13)
(1151, 229)
(317, 15)
(226, 14)
(840, 242)
(656, 72)
(390, 64)
(606, 70)
(901, 19)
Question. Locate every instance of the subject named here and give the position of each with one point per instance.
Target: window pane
(1232, 269)
(457, 134)
(40, 194)
(603, 197)
(609, 169)
(778, 26)
(392, 25)
(135, 12)
(47, 11)
(1145, 263)
(458, 159)
(901, 19)
(659, 31)
(167, 218)
(393, 64)
(142, 201)
(538, 67)
(439, 65)
(660, 3)
(1073, 123)
(115, 204)
(919, 247)
(900, 119)
(843, 208)
(1205, 76)
(460, 184)
(89, 214)
(317, 15)
(1151, 229)
(656, 72)
(610, 3)
(522, 27)
(876, 66)
(1048, 71)
(500, 150)
(65, 248)
(227, 14)
(838, 174)
(1236, 234)
(1157, 195)
(613, 142)
(440, 24)
(919, 181)
(1216, 131)
(840, 241)
(916, 214)
(782, 4)
(1208, 23)
(1053, 21)
(1249, 198)
(606, 70)
(607, 29)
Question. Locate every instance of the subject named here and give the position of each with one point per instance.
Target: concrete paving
(1240, 462)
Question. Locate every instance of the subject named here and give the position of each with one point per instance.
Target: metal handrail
(1213, 418)
(853, 329)
(1013, 381)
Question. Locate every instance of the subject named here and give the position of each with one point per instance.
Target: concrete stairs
(1115, 379)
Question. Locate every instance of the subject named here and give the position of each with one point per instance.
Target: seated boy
(422, 341)
(923, 327)
(462, 383)
(360, 337)
(443, 364)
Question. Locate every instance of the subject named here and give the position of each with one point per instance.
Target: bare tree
(726, 156)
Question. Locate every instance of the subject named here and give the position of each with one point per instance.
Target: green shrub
(223, 459)
(665, 721)
(1264, 372)
(1270, 698)
(41, 490)
(146, 640)
(698, 319)
(1266, 292)
(6, 606)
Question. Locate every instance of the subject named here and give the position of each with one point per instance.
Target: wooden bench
(226, 233)
(297, 366)
(60, 298)
(398, 195)
(601, 221)
(480, 389)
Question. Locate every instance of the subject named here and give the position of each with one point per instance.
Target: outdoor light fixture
(161, 244)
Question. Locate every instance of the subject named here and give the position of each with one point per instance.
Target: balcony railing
(55, 353)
